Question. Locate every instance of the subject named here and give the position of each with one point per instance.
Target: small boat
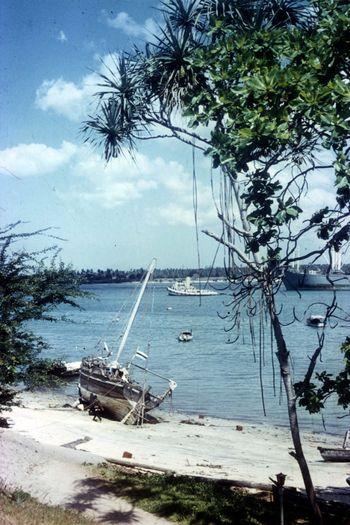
(317, 321)
(185, 336)
(335, 454)
(110, 385)
(186, 289)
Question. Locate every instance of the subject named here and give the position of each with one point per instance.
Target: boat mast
(336, 261)
(133, 313)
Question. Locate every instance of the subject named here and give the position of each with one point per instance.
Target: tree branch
(232, 247)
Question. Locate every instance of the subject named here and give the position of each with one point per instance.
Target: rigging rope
(272, 360)
(116, 317)
(261, 361)
(195, 210)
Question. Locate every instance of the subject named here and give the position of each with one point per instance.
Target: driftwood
(224, 481)
(133, 464)
(73, 444)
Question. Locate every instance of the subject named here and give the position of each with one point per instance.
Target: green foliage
(43, 372)
(270, 80)
(279, 95)
(188, 501)
(313, 396)
(191, 501)
(30, 289)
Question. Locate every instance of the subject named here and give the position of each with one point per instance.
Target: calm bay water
(214, 378)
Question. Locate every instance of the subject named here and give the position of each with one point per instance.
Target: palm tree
(145, 87)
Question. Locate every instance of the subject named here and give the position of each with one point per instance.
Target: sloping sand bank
(60, 476)
(191, 446)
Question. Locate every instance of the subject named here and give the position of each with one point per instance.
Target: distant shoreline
(154, 281)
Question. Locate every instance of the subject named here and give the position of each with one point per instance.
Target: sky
(116, 215)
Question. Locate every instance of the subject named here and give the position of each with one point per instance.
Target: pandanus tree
(263, 89)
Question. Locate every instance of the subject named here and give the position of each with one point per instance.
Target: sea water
(215, 377)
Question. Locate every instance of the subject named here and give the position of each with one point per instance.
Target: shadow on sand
(101, 499)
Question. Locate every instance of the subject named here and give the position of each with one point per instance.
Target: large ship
(186, 288)
(311, 279)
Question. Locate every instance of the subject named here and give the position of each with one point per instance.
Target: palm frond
(183, 15)
(258, 14)
(109, 129)
(171, 62)
(291, 13)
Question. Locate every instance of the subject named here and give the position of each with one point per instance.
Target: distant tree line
(119, 276)
(89, 276)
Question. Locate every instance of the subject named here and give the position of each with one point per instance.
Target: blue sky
(120, 215)
(117, 215)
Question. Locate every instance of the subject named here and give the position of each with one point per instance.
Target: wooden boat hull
(335, 454)
(117, 397)
(115, 408)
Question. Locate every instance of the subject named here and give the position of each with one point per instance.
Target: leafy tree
(265, 88)
(313, 396)
(31, 288)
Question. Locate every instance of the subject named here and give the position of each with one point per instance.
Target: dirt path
(61, 476)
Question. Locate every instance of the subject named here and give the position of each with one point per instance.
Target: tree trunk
(283, 358)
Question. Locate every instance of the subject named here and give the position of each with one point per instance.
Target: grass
(19, 508)
(184, 500)
(193, 502)
(188, 501)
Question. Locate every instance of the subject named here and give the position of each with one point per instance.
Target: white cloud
(27, 160)
(176, 214)
(113, 184)
(114, 194)
(91, 181)
(130, 27)
(316, 199)
(108, 63)
(73, 100)
(61, 37)
(67, 98)
(124, 179)
(182, 210)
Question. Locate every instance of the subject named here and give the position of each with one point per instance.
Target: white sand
(212, 448)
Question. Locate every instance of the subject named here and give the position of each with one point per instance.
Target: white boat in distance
(317, 321)
(110, 385)
(185, 336)
(186, 288)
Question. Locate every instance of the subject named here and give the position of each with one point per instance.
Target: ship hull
(117, 398)
(306, 281)
(196, 293)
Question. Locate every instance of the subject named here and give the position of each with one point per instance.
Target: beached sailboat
(110, 384)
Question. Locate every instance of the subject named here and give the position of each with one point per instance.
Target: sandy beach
(49, 441)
